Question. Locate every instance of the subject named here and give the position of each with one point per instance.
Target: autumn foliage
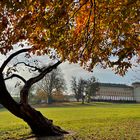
(88, 32)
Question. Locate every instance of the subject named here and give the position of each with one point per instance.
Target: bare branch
(44, 72)
(76, 11)
(11, 57)
(28, 65)
(16, 75)
(25, 90)
(86, 32)
(94, 15)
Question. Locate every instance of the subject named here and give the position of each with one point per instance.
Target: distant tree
(91, 87)
(58, 96)
(84, 89)
(53, 81)
(31, 97)
(40, 96)
(81, 89)
(78, 88)
(74, 88)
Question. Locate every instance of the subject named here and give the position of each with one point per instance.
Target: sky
(69, 70)
(102, 75)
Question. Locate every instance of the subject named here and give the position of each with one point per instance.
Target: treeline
(48, 90)
(52, 88)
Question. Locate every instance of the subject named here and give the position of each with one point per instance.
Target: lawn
(95, 121)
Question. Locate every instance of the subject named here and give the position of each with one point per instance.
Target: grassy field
(96, 121)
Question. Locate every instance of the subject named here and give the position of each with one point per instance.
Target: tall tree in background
(40, 96)
(91, 87)
(84, 88)
(81, 89)
(89, 32)
(74, 88)
(78, 88)
(53, 81)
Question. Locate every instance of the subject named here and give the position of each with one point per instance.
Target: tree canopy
(88, 32)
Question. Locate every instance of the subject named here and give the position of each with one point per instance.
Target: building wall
(136, 91)
(115, 92)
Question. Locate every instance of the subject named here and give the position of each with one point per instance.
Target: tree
(53, 81)
(81, 89)
(40, 96)
(91, 87)
(74, 87)
(31, 97)
(88, 32)
(58, 96)
(78, 88)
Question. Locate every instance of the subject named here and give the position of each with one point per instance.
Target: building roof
(114, 85)
(136, 83)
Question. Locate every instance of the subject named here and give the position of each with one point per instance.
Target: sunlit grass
(96, 121)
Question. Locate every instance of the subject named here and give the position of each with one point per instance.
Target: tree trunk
(40, 125)
(83, 99)
(49, 99)
(88, 99)
(77, 99)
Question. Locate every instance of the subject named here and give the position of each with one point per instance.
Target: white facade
(118, 92)
(136, 87)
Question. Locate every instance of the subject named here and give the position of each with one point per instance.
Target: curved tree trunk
(40, 125)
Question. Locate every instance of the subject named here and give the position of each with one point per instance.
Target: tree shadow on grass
(52, 137)
(47, 138)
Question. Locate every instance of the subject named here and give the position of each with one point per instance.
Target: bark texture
(40, 125)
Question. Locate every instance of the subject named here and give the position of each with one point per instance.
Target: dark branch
(87, 32)
(43, 73)
(25, 90)
(94, 15)
(11, 57)
(16, 75)
(79, 8)
(28, 65)
(76, 11)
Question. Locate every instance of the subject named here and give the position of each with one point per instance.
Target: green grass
(96, 121)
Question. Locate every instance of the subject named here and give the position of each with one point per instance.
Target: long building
(118, 92)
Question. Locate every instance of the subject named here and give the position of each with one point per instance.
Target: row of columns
(101, 97)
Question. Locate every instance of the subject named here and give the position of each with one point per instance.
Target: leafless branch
(43, 73)
(11, 57)
(25, 90)
(16, 75)
(28, 65)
